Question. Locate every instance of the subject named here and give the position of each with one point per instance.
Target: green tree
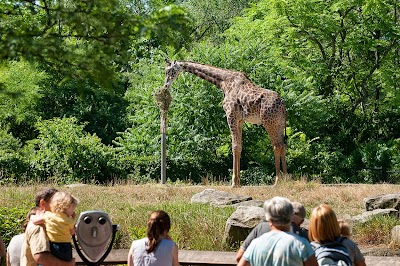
(212, 18)
(82, 39)
(19, 107)
(345, 51)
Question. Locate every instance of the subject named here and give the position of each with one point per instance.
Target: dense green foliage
(77, 92)
(11, 220)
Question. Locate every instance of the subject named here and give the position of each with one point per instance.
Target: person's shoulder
(48, 215)
(347, 242)
(168, 241)
(299, 238)
(33, 228)
(262, 228)
(19, 237)
(144, 239)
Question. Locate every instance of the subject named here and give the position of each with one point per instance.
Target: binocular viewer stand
(95, 235)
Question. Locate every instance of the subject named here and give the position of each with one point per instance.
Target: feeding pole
(163, 99)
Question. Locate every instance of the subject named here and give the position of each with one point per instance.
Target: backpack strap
(334, 250)
(340, 239)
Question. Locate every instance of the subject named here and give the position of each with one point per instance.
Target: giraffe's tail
(285, 137)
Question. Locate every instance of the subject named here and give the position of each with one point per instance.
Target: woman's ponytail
(158, 223)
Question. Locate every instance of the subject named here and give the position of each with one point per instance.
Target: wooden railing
(186, 257)
(220, 258)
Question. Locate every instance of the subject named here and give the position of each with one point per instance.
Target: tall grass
(197, 226)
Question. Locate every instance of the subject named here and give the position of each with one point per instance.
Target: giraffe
(243, 102)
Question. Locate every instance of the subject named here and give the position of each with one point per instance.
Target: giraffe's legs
(283, 158)
(279, 153)
(236, 134)
(276, 136)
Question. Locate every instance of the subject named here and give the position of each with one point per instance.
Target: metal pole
(163, 148)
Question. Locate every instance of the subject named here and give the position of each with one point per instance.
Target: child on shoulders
(60, 224)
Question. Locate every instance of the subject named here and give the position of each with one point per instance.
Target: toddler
(60, 224)
(344, 228)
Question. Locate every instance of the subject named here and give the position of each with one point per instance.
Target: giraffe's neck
(211, 74)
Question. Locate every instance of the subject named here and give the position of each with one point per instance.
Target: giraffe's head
(172, 71)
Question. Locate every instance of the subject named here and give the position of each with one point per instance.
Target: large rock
(254, 203)
(218, 198)
(395, 243)
(366, 216)
(241, 222)
(386, 201)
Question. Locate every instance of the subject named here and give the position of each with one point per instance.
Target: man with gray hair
(299, 214)
(279, 246)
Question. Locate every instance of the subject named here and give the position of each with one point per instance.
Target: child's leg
(63, 251)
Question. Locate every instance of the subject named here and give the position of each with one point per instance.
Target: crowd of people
(279, 240)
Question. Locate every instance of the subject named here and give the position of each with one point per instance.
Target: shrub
(376, 231)
(12, 163)
(11, 220)
(66, 153)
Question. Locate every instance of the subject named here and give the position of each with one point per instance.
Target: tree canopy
(83, 39)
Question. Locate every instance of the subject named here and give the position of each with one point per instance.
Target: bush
(12, 163)
(11, 220)
(65, 153)
(376, 231)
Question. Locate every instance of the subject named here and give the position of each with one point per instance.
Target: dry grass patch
(197, 226)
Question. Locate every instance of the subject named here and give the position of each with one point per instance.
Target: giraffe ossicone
(243, 102)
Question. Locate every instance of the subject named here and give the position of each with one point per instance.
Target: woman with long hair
(157, 248)
(324, 229)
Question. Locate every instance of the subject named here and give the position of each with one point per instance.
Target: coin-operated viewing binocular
(94, 236)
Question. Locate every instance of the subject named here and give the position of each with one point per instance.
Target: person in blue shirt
(263, 227)
(280, 246)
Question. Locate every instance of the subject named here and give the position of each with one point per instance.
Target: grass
(201, 226)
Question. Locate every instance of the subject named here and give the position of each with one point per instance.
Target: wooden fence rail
(186, 257)
(220, 258)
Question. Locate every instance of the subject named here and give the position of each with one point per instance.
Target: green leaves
(86, 40)
(63, 152)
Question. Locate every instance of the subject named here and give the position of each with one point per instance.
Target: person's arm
(243, 262)
(260, 229)
(37, 219)
(130, 258)
(8, 263)
(311, 261)
(2, 248)
(175, 258)
(360, 263)
(239, 254)
(47, 259)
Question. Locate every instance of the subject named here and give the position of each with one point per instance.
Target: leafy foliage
(65, 153)
(11, 220)
(19, 107)
(82, 39)
(93, 81)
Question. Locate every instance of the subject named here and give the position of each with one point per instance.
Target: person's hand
(72, 231)
(72, 262)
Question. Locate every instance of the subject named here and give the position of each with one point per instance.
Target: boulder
(366, 216)
(218, 198)
(254, 203)
(241, 222)
(395, 241)
(386, 201)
